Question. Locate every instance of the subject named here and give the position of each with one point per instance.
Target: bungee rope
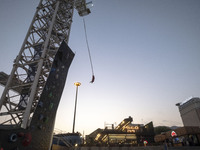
(93, 77)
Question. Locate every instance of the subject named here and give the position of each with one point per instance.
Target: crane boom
(34, 87)
(51, 25)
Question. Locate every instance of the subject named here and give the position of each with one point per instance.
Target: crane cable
(93, 77)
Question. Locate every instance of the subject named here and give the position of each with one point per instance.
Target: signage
(173, 134)
(132, 129)
(145, 142)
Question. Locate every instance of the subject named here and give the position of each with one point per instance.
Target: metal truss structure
(23, 87)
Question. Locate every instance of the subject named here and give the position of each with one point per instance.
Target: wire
(93, 77)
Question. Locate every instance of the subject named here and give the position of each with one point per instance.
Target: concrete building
(190, 112)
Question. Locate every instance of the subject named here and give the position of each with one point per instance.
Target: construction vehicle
(34, 87)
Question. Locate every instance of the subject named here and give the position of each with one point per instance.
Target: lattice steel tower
(23, 87)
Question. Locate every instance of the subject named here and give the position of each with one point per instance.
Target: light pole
(77, 84)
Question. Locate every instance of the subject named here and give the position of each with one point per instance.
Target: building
(183, 136)
(67, 140)
(190, 112)
(189, 135)
(125, 134)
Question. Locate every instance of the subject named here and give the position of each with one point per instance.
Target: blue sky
(145, 55)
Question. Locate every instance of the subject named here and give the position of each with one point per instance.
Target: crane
(34, 68)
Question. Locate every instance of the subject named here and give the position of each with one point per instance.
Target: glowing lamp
(77, 83)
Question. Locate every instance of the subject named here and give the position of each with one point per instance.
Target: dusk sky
(145, 53)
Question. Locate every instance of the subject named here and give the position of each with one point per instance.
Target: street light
(77, 84)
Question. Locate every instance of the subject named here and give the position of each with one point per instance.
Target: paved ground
(132, 148)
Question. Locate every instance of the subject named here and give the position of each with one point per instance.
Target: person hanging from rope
(93, 77)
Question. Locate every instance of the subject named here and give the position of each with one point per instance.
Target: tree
(160, 129)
